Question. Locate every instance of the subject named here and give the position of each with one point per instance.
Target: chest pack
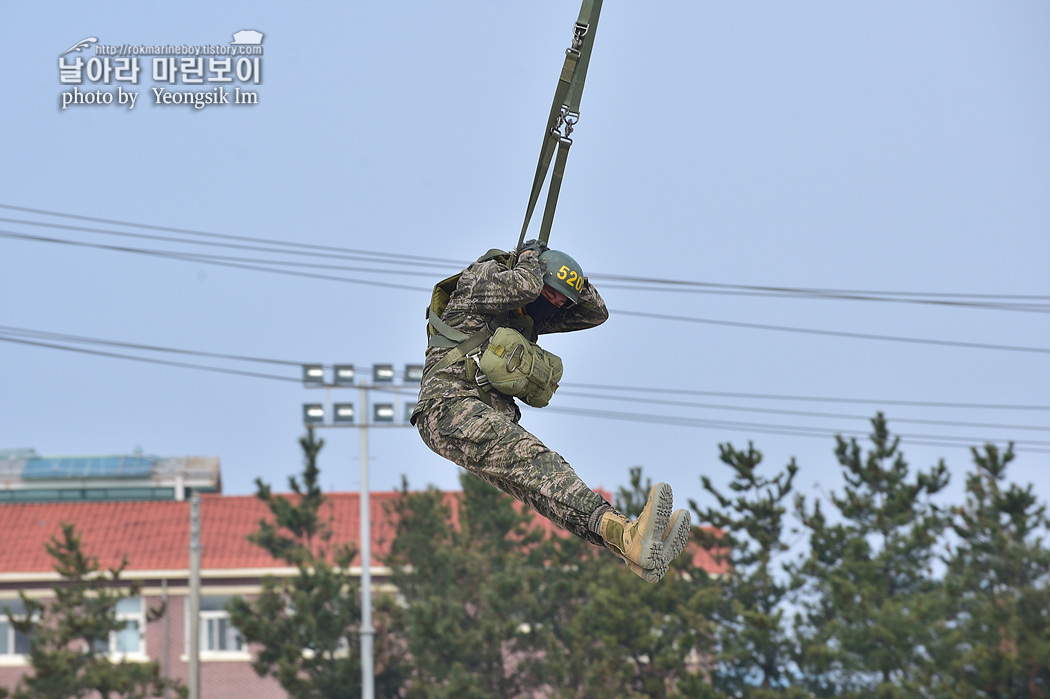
(506, 359)
(517, 367)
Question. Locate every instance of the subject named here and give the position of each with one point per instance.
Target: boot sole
(660, 504)
(677, 537)
(673, 544)
(649, 576)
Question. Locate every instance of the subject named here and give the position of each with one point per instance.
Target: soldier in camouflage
(478, 428)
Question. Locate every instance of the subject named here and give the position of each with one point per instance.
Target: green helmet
(563, 273)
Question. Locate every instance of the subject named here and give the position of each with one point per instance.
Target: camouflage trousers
(492, 446)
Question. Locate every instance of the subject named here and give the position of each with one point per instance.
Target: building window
(218, 634)
(12, 642)
(128, 640)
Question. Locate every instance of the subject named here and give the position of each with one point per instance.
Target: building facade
(26, 476)
(154, 537)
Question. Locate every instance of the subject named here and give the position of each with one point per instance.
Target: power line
(222, 260)
(299, 248)
(798, 413)
(805, 290)
(821, 399)
(359, 256)
(149, 360)
(833, 333)
(754, 292)
(788, 430)
(792, 430)
(223, 236)
(41, 335)
(663, 391)
(191, 257)
(45, 335)
(656, 316)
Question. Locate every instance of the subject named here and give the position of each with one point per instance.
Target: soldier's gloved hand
(534, 245)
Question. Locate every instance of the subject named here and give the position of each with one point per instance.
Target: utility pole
(367, 630)
(195, 596)
(344, 415)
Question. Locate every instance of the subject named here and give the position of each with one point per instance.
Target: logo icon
(85, 43)
(247, 37)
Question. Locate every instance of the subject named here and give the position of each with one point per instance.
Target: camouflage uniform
(456, 422)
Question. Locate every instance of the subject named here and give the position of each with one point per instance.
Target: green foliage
(490, 605)
(997, 643)
(69, 637)
(874, 617)
(469, 593)
(871, 603)
(626, 638)
(755, 651)
(306, 626)
(496, 608)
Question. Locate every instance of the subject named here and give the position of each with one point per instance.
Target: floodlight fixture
(343, 413)
(313, 374)
(344, 374)
(413, 373)
(383, 412)
(313, 413)
(383, 373)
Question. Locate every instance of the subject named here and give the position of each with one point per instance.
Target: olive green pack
(520, 368)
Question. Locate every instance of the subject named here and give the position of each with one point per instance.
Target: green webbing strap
(550, 137)
(451, 334)
(464, 344)
(459, 353)
(564, 110)
(461, 350)
(555, 188)
(576, 90)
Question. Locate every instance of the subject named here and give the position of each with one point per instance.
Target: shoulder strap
(461, 344)
(461, 350)
(445, 331)
(465, 346)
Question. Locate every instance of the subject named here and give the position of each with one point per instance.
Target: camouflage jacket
(487, 290)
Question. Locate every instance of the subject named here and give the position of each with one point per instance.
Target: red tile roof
(155, 535)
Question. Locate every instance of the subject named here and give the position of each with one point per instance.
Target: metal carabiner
(519, 352)
(578, 32)
(564, 124)
(480, 377)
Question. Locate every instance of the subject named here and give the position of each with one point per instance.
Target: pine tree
(470, 621)
(69, 637)
(617, 636)
(867, 626)
(307, 625)
(997, 641)
(755, 651)
(494, 607)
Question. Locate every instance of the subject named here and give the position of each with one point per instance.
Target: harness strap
(460, 351)
(564, 114)
(550, 137)
(555, 189)
(462, 344)
(447, 332)
(589, 12)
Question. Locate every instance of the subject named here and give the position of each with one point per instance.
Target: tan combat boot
(674, 540)
(640, 543)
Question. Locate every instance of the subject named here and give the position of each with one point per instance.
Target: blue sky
(863, 146)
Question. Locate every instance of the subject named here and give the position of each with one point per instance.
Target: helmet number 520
(570, 277)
